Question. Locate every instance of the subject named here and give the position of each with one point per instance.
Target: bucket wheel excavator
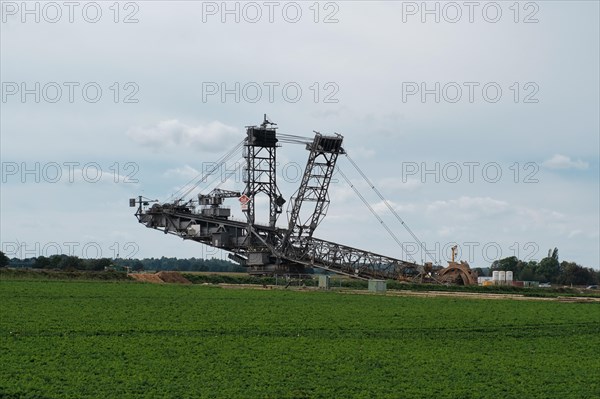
(262, 246)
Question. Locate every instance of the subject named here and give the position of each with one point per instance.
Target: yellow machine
(457, 273)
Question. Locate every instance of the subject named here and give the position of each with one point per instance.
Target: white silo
(509, 277)
(502, 277)
(495, 276)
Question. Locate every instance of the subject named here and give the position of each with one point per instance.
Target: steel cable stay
(237, 164)
(200, 178)
(266, 249)
(295, 136)
(293, 139)
(381, 221)
(387, 204)
(222, 161)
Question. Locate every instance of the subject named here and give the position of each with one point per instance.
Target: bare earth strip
(427, 294)
(478, 295)
(161, 278)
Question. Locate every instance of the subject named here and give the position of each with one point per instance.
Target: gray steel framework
(260, 174)
(231, 236)
(323, 154)
(265, 248)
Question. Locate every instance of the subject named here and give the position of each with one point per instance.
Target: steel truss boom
(263, 247)
(323, 154)
(231, 236)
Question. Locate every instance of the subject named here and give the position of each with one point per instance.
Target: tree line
(548, 270)
(66, 262)
(181, 265)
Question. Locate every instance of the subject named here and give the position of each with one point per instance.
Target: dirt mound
(173, 277)
(161, 278)
(147, 278)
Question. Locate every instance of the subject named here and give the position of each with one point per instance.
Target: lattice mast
(323, 154)
(260, 149)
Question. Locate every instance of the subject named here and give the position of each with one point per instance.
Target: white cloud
(574, 233)
(179, 192)
(540, 219)
(451, 231)
(508, 216)
(340, 193)
(394, 183)
(186, 172)
(212, 136)
(478, 205)
(381, 207)
(362, 152)
(93, 173)
(559, 161)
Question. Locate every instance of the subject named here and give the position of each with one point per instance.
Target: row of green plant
(97, 339)
(249, 279)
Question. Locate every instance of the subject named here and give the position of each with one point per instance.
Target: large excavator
(263, 247)
(457, 273)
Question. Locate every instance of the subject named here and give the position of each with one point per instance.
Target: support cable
(201, 178)
(385, 226)
(238, 164)
(386, 202)
(294, 139)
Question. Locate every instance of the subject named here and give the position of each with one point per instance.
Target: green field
(133, 340)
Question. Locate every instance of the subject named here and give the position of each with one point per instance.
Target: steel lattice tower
(260, 173)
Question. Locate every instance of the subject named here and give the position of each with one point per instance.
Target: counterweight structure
(265, 248)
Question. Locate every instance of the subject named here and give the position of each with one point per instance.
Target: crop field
(135, 340)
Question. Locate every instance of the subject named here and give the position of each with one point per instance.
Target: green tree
(97, 264)
(70, 263)
(529, 272)
(513, 264)
(42, 262)
(549, 268)
(509, 263)
(574, 274)
(4, 261)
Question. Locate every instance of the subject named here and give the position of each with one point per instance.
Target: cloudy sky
(479, 122)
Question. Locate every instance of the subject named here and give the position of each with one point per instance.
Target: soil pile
(161, 278)
(173, 277)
